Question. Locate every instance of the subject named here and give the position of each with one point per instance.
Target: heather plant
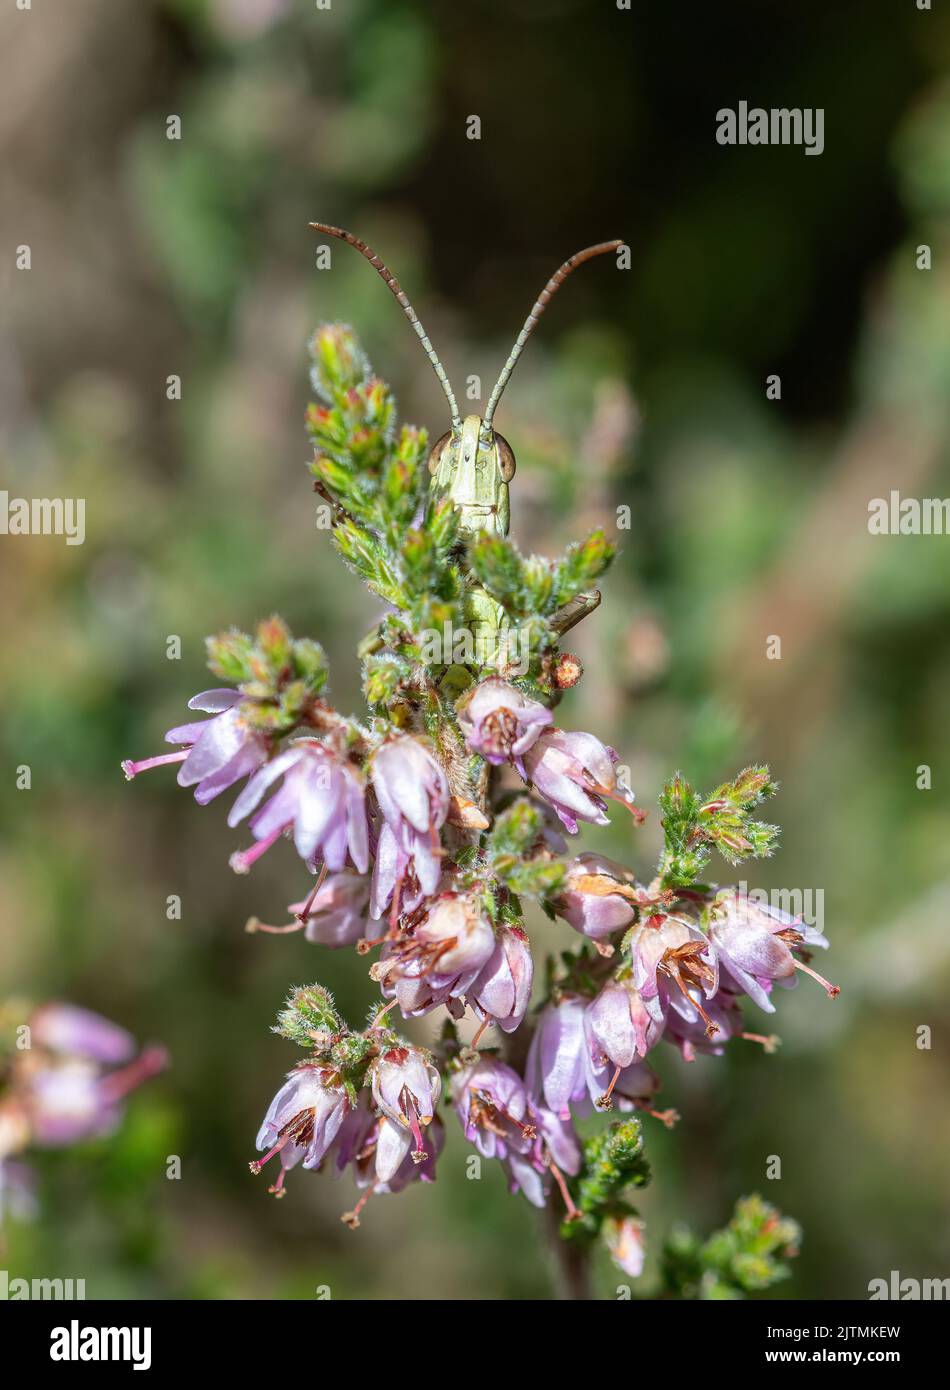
(430, 821)
(65, 1073)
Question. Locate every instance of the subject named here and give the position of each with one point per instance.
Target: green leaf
(339, 365)
(613, 1162)
(497, 565)
(308, 1010)
(581, 566)
(361, 549)
(382, 677)
(230, 655)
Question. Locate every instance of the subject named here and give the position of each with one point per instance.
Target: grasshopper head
(473, 466)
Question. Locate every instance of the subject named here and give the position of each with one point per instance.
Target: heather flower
(527, 1176)
(70, 1029)
(336, 914)
(219, 752)
(492, 1105)
(357, 1131)
(629, 1088)
(501, 1120)
(623, 1236)
(367, 1162)
(622, 1088)
(322, 801)
(440, 958)
(575, 772)
(674, 966)
(406, 1088)
(556, 1141)
(619, 1025)
(501, 723)
(755, 943)
(554, 1151)
(411, 1168)
(65, 1104)
(70, 1099)
(598, 898)
(503, 988)
(568, 1066)
(302, 1122)
(559, 1064)
(413, 796)
(691, 1035)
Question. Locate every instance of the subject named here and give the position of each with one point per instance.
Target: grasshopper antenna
(410, 313)
(544, 298)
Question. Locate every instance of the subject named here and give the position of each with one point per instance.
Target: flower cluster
(428, 826)
(66, 1073)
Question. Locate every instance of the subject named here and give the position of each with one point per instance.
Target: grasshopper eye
(506, 458)
(435, 456)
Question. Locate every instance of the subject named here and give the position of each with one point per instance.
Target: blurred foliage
(154, 257)
(745, 1257)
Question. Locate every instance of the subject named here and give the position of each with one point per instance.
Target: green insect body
(472, 465)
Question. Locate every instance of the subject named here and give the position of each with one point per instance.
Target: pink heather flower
(575, 772)
(501, 723)
(73, 1099)
(492, 1105)
(598, 897)
(755, 943)
(556, 1141)
(628, 1088)
(498, 1117)
(406, 1088)
(623, 1236)
(567, 1066)
(560, 1065)
(363, 1150)
(619, 1026)
(322, 801)
(674, 967)
(220, 751)
(410, 1168)
(554, 1151)
(68, 1028)
(336, 914)
(413, 796)
(503, 988)
(302, 1122)
(359, 1125)
(440, 958)
(691, 1035)
(65, 1104)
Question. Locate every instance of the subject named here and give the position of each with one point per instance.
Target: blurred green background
(153, 257)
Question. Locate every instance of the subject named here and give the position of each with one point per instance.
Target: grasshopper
(472, 464)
